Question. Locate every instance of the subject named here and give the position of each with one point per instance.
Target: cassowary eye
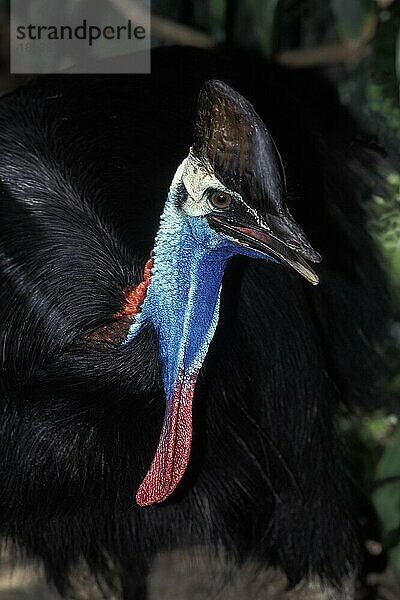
(220, 200)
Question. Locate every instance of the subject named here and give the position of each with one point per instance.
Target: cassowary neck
(182, 303)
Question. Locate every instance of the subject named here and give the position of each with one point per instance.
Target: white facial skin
(198, 178)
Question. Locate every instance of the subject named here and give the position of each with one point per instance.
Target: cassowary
(169, 375)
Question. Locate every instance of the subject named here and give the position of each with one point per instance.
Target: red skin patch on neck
(118, 329)
(134, 296)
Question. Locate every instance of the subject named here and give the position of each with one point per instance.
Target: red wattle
(173, 451)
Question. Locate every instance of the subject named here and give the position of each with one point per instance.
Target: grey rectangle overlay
(81, 36)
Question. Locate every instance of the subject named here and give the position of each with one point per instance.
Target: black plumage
(85, 166)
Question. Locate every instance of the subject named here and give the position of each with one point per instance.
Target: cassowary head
(226, 198)
(234, 177)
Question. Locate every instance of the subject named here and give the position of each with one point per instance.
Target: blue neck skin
(182, 301)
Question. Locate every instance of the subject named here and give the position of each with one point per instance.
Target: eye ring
(220, 200)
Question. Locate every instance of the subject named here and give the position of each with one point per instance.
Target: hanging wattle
(173, 451)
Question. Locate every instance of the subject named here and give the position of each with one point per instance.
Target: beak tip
(308, 274)
(317, 258)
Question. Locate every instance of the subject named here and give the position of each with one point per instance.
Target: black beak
(278, 238)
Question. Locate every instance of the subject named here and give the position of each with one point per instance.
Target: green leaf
(351, 16)
(217, 10)
(386, 497)
(398, 56)
(263, 22)
(394, 558)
